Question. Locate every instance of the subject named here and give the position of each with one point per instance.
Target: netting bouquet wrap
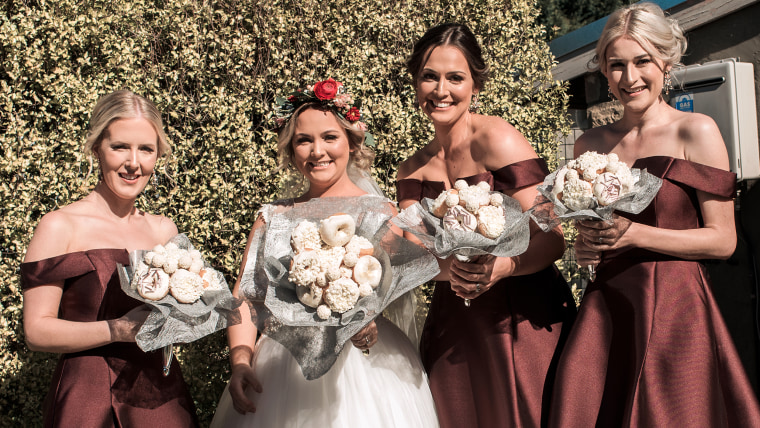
(592, 187)
(314, 342)
(171, 321)
(420, 220)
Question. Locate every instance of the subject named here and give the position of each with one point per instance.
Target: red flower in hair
(326, 89)
(353, 114)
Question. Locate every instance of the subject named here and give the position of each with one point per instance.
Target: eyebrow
(450, 72)
(636, 57)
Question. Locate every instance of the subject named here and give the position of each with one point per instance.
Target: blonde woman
(650, 347)
(73, 303)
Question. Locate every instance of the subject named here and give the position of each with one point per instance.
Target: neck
(449, 136)
(118, 207)
(343, 187)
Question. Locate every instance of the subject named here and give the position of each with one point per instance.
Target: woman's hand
(605, 235)
(584, 255)
(366, 337)
(242, 378)
(125, 328)
(471, 279)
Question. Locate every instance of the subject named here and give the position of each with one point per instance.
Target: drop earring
(475, 104)
(610, 94)
(667, 83)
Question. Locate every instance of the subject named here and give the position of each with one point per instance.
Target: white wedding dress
(386, 389)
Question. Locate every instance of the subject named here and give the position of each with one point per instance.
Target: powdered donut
(473, 198)
(365, 290)
(577, 194)
(461, 184)
(185, 286)
(491, 221)
(153, 284)
(310, 296)
(305, 236)
(458, 218)
(305, 268)
(368, 271)
(337, 230)
(324, 312)
(607, 188)
(342, 294)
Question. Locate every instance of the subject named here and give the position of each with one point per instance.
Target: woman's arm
(242, 340)
(43, 330)
(715, 240)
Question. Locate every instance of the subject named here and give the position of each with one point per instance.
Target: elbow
(33, 341)
(725, 251)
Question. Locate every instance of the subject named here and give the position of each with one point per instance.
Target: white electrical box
(725, 91)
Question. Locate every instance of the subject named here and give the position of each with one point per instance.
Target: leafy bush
(214, 68)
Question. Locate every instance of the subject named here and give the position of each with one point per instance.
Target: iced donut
(185, 286)
(365, 290)
(577, 194)
(305, 236)
(495, 199)
(310, 296)
(607, 188)
(350, 259)
(337, 230)
(473, 198)
(491, 221)
(342, 294)
(153, 284)
(458, 218)
(461, 184)
(305, 268)
(331, 257)
(368, 271)
(590, 164)
(360, 246)
(559, 182)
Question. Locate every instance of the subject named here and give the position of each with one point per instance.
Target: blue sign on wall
(685, 102)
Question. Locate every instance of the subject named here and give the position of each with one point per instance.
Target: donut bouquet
(332, 267)
(468, 220)
(593, 185)
(319, 271)
(189, 299)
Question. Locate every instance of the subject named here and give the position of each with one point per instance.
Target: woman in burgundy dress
(73, 303)
(649, 347)
(489, 364)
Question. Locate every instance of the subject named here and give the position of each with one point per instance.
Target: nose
(631, 74)
(317, 148)
(441, 88)
(131, 161)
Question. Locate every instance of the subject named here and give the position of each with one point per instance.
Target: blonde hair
(361, 156)
(646, 24)
(123, 105)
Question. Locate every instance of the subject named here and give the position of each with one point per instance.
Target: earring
(154, 179)
(667, 83)
(475, 104)
(610, 94)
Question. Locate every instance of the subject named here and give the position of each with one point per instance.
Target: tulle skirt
(388, 388)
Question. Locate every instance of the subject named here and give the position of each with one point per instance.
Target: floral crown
(328, 93)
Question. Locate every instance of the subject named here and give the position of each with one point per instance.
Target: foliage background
(214, 68)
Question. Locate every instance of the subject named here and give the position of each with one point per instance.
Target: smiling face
(445, 86)
(321, 150)
(635, 77)
(127, 155)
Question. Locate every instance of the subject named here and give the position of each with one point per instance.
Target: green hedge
(214, 68)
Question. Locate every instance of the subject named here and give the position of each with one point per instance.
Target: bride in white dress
(267, 388)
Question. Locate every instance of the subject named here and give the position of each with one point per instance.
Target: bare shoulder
(413, 166)
(595, 139)
(702, 140)
(499, 142)
(164, 226)
(52, 235)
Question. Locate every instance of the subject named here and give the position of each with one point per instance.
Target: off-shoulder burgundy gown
(112, 385)
(649, 347)
(490, 365)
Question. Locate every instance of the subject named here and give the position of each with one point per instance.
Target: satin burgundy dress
(491, 365)
(649, 347)
(112, 385)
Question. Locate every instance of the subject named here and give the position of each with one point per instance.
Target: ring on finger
(600, 239)
(477, 288)
(366, 340)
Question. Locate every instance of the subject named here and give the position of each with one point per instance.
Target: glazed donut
(342, 294)
(310, 296)
(337, 229)
(368, 271)
(491, 221)
(458, 218)
(305, 268)
(185, 286)
(153, 284)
